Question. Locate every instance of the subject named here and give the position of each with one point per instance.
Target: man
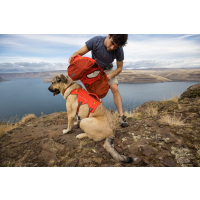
(104, 51)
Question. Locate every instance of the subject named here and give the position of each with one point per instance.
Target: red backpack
(81, 68)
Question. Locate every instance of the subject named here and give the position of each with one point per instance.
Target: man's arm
(117, 71)
(80, 52)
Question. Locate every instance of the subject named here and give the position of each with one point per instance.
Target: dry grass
(171, 120)
(152, 111)
(6, 127)
(129, 114)
(134, 114)
(174, 98)
(28, 117)
(180, 107)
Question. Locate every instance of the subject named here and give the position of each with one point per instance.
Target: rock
(119, 150)
(151, 123)
(154, 144)
(191, 92)
(101, 150)
(98, 160)
(74, 163)
(90, 144)
(169, 162)
(165, 147)
(145, 161)
(147, 151)
(183, 160)
(170, 140)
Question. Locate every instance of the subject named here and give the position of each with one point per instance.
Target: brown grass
(171, 120)
(129, 114)
(152, 111)
(6, 127)
(174, 98)
(27, 118)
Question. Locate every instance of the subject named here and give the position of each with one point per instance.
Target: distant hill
(153, 76)
(182, 75)
(42, 75)
(1, 79)
(126, 76)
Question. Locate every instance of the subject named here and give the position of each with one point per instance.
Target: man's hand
(71, 58)
(109, 77)
(80, 52)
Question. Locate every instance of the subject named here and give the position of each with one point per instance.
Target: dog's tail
(109, 146)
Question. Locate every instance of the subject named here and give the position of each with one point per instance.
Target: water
(22, 96)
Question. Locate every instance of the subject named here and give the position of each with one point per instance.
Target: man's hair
(120, 39)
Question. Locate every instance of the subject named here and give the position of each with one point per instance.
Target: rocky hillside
(161, 134)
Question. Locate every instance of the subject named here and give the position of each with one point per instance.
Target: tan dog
(98, 126)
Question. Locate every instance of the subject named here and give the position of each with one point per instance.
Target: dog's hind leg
(82, 135)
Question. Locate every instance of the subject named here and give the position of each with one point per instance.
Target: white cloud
(62, 39)
(186, 36)
(166, 52)
(142, 51)
(31, 67)
(166, 49)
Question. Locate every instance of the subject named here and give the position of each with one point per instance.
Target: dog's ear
(58, 79)
(61, 78)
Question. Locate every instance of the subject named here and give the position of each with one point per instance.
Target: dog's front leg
(70, 124)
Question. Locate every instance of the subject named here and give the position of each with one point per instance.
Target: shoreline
(126, 76)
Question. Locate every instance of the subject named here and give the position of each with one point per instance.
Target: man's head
(113, 41)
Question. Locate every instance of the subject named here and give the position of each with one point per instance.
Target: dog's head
(58, 84)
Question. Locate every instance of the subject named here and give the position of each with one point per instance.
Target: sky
(47, 52)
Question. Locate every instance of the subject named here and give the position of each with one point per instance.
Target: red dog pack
(81, 68)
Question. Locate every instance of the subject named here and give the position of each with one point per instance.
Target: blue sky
(44, 52)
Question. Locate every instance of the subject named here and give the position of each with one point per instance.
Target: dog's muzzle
(55, 91)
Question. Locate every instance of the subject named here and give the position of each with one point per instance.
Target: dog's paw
(65, 131)
(68, 131)
(76, 123)
(82, 135)
(78, 136)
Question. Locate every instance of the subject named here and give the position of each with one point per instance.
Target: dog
(99, 125)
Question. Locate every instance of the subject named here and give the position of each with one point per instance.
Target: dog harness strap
(79, 104)
(90, 110)
(68, 87)
(83, 98)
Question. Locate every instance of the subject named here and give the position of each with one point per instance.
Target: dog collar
(68, 87)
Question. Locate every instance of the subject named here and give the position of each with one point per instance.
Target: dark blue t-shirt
(101, 54)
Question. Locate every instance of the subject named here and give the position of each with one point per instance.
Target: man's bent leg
(117, 98)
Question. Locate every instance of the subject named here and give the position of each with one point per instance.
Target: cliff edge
(160, 134)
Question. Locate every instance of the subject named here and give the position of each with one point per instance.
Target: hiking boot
(123, 122)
